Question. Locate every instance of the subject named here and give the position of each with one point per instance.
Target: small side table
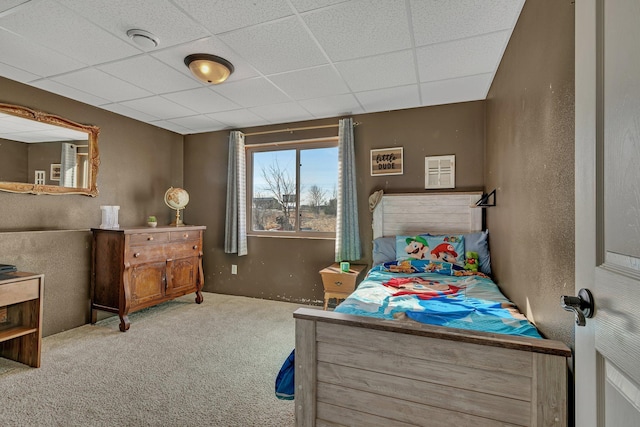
(21, 295)
(339, 285)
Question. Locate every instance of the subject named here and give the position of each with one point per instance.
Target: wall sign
(386, 161)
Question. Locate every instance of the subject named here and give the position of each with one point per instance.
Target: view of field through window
(277, 205)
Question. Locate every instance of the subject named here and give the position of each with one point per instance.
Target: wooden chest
(134, 268)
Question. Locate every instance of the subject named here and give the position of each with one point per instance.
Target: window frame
(298, 145)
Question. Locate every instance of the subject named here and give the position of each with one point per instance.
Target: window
(293, 188)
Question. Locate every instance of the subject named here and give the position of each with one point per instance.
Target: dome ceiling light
(209, 68)
(144, 39)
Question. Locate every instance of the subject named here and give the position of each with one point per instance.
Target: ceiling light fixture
(209, 68)
(143, 38)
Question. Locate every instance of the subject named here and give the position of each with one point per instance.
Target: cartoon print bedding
(436, 293)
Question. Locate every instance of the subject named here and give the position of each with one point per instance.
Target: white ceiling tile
(159, 17)
(476, 55)
(150, 74)
(164, 124)
(223, 16)
(396, 98)
(10, 4)
(280, 113)
(198, 122)
(333, 106)
(174, 57)
(437, 21)
(307, 5)
(16, 74)
(456, 90)
(238, 118)
(21, 53)
(101, 84)
(360, 28)
(69, 92)
(66, 32)
(276, 47)
(252, 92)
(379, 72)
(159, 107)
(202, 100)
(310, 83)
(129, 112)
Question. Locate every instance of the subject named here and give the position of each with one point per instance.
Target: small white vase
(152, 224)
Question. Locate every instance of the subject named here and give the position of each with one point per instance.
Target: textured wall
(64, 258)
(530, 160)
(14, 161)
(287, 269)
(138, 162)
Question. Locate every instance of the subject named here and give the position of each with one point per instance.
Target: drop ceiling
(294, 59)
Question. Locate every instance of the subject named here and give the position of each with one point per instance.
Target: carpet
(180, 364)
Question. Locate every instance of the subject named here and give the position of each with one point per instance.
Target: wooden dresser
(135, 268)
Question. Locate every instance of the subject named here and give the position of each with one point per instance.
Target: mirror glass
(42, 153)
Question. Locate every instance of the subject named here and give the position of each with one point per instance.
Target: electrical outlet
(234, 269)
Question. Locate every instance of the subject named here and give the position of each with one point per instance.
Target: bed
(367, 363)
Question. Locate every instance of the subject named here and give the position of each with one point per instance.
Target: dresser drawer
(183, 250)
(185, 235)
(148, 238)
(145, 253)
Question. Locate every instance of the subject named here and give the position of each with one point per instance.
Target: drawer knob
(150, 238)
(186, 236)
(338, 283)
(195, 246)
(136, 255)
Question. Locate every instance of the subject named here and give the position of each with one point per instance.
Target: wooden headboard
(412, 213)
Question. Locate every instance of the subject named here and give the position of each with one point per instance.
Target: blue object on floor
(285, 384)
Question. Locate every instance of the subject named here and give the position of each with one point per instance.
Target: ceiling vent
(143, 38)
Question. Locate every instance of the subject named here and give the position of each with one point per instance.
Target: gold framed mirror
(42, 153)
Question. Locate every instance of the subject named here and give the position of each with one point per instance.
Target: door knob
(582, 305)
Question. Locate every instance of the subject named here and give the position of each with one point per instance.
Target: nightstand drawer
(336, 281)
(339, 282)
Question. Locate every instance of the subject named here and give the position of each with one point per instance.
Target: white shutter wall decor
(439, 172)
(40, 178)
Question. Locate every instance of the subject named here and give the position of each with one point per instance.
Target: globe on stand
(176, 198)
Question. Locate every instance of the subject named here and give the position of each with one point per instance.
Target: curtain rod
(294, 129)
(297, 141)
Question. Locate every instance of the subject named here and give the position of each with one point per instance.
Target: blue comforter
(438, 294)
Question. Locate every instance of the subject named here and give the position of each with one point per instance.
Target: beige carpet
(180, 364)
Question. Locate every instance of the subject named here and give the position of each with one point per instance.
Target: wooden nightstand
(339, 285)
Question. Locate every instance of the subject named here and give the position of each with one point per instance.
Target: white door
(607, 352)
